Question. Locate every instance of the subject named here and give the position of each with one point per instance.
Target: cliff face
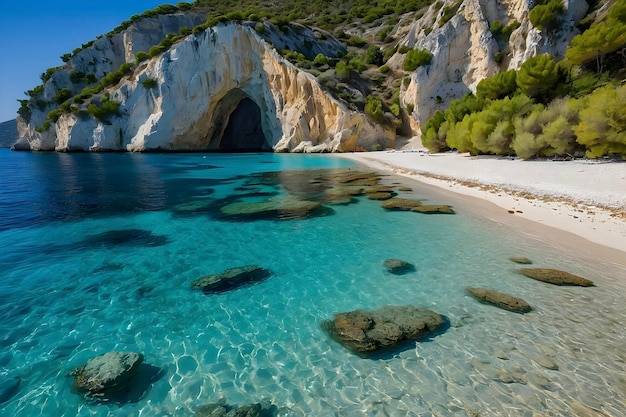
(202, 82)
(465, 50)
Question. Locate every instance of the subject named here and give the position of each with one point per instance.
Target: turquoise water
(98, 251)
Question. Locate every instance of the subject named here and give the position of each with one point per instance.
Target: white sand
(584, 198)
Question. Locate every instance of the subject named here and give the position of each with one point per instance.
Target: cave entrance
(243, 132)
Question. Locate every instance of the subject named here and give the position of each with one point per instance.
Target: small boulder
(107, 374)
(501, 300)
(370, 331)
(398, 266)
(520, 260)
(231, 279)
(556, 277)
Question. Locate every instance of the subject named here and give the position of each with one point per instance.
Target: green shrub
(101, 112)
(602, 127)
(374, 55)
(55, 114)
(540, 77)
(260, 27)
(342, 71)
(404, 49)
(416, 58)
(321, 59)
(62, 95)
(499, 86)
(374, 108)
(547, 16)
(45, 76)
(356, 41)
(149, 83)
(66, 57)
(384, 69)
(141, 56)
(602, 38)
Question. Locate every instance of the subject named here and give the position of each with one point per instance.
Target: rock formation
(501, 300)
(227, 72)
(369, 331)
(231, 279)
(106, 375)
(556, 277)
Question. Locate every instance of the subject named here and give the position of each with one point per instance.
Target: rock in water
(521, 260)
(106, 374)
(370, 331)
(398, 266)
(556, 277)
(231, 279)
(501, 300)
(223, 410)
(407, 204)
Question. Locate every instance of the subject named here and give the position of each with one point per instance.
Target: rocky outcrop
(370, 331)
(106, 375)
(201, 82)
(465, 51)
(556, 277)
(501, 300)
(231, 279)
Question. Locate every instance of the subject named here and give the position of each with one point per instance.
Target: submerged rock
(501, 300)
(556, 277)
(223, 410)
(398, 266)
(433, 209)
(520, 260)
(107, 374)
(417, 206)
(401, 204)
(368, 331)
(231, 279)
(382, 195)
(282, 208)
(124, 237)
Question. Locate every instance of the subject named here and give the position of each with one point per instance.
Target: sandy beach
(579, 205)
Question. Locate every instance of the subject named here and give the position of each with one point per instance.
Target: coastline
(550, 200)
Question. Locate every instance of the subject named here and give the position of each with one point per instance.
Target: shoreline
(548, 200)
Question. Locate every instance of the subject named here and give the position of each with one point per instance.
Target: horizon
(53, 29)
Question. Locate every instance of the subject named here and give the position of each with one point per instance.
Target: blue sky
(36, 33)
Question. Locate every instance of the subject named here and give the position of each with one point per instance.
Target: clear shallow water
(70, 290)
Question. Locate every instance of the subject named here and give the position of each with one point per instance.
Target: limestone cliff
(465, 50)
(202, 82)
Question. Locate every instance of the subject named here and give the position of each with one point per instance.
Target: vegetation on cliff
(570, 108)
(546, 108)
